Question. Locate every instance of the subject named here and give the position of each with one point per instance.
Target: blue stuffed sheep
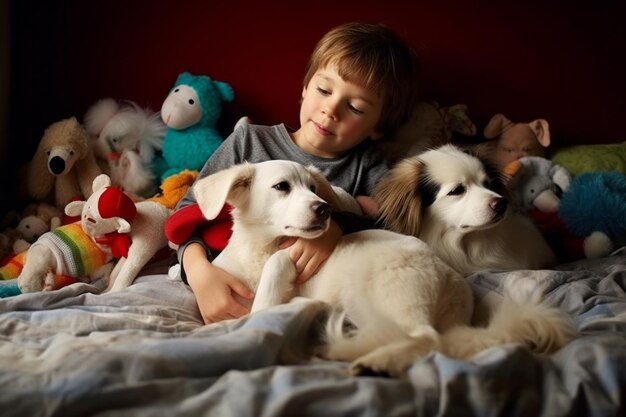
(191, 111)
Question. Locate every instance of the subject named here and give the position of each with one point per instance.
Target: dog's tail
(532, 323)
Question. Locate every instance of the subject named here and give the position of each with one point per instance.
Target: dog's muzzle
(499, 205)
(56, 165)
(59, 160)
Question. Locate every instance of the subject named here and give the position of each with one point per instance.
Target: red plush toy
(189, 220)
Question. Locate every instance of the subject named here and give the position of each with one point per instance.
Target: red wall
(528, 59)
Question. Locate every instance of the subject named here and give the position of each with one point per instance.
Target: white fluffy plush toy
(127, 138)
(111, 227)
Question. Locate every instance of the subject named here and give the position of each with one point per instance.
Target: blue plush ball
(596, 201)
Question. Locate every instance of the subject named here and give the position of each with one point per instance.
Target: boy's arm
(213, 287)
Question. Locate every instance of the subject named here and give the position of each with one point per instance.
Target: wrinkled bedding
(144, 352)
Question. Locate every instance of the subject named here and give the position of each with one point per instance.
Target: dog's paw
(357, 369)
(392, 360)
(378, 365)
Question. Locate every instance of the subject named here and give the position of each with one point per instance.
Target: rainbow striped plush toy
(111, 228)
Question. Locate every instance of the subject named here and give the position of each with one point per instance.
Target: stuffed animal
(595, 206)
(8, 237)
(111, 227)
(127, 138)
(191, 111)
(35, 220)
(592, 158)
(572, 214)
(511, 141)
(12, 269)
(64, 166)
(429, 126)
(38, 219)
(537, 183)
(174, 188)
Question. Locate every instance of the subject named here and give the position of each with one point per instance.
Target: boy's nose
(330, 110)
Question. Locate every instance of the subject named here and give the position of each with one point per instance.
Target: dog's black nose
(499, 205)
(56, 165)
(322, 210)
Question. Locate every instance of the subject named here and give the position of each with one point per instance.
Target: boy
(360, 84)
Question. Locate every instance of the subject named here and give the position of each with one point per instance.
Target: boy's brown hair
(375, 57)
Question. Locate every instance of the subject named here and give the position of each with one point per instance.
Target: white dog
(457, 204)
(402, 299)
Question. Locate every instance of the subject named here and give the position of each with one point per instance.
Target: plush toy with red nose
(114, 239)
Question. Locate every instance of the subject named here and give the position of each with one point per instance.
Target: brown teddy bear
(429, 126)
(64, 166)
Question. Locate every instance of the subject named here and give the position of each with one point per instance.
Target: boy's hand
(368, 205)
(308, 255)
(214, 288)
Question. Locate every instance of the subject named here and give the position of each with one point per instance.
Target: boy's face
(336, 115)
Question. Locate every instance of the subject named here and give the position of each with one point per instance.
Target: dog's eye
(458, 190)
(282, 186)
(312, 188)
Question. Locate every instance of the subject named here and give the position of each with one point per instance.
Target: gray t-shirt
(356, 172)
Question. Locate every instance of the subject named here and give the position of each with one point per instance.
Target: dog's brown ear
(398, 197)
(336, 197)
(324, 189)
(229, 185)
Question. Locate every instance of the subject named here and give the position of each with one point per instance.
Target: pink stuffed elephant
(516, 140)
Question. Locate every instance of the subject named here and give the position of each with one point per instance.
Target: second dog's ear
(398, 197)
(229, 185)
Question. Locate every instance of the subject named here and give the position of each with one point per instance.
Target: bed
(144, 351)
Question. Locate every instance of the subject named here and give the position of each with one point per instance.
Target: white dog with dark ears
(457, 203)
(401, 298)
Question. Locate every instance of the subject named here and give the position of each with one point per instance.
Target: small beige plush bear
(515, 140)
(38, 219)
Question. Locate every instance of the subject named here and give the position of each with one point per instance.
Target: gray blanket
(144, 352)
